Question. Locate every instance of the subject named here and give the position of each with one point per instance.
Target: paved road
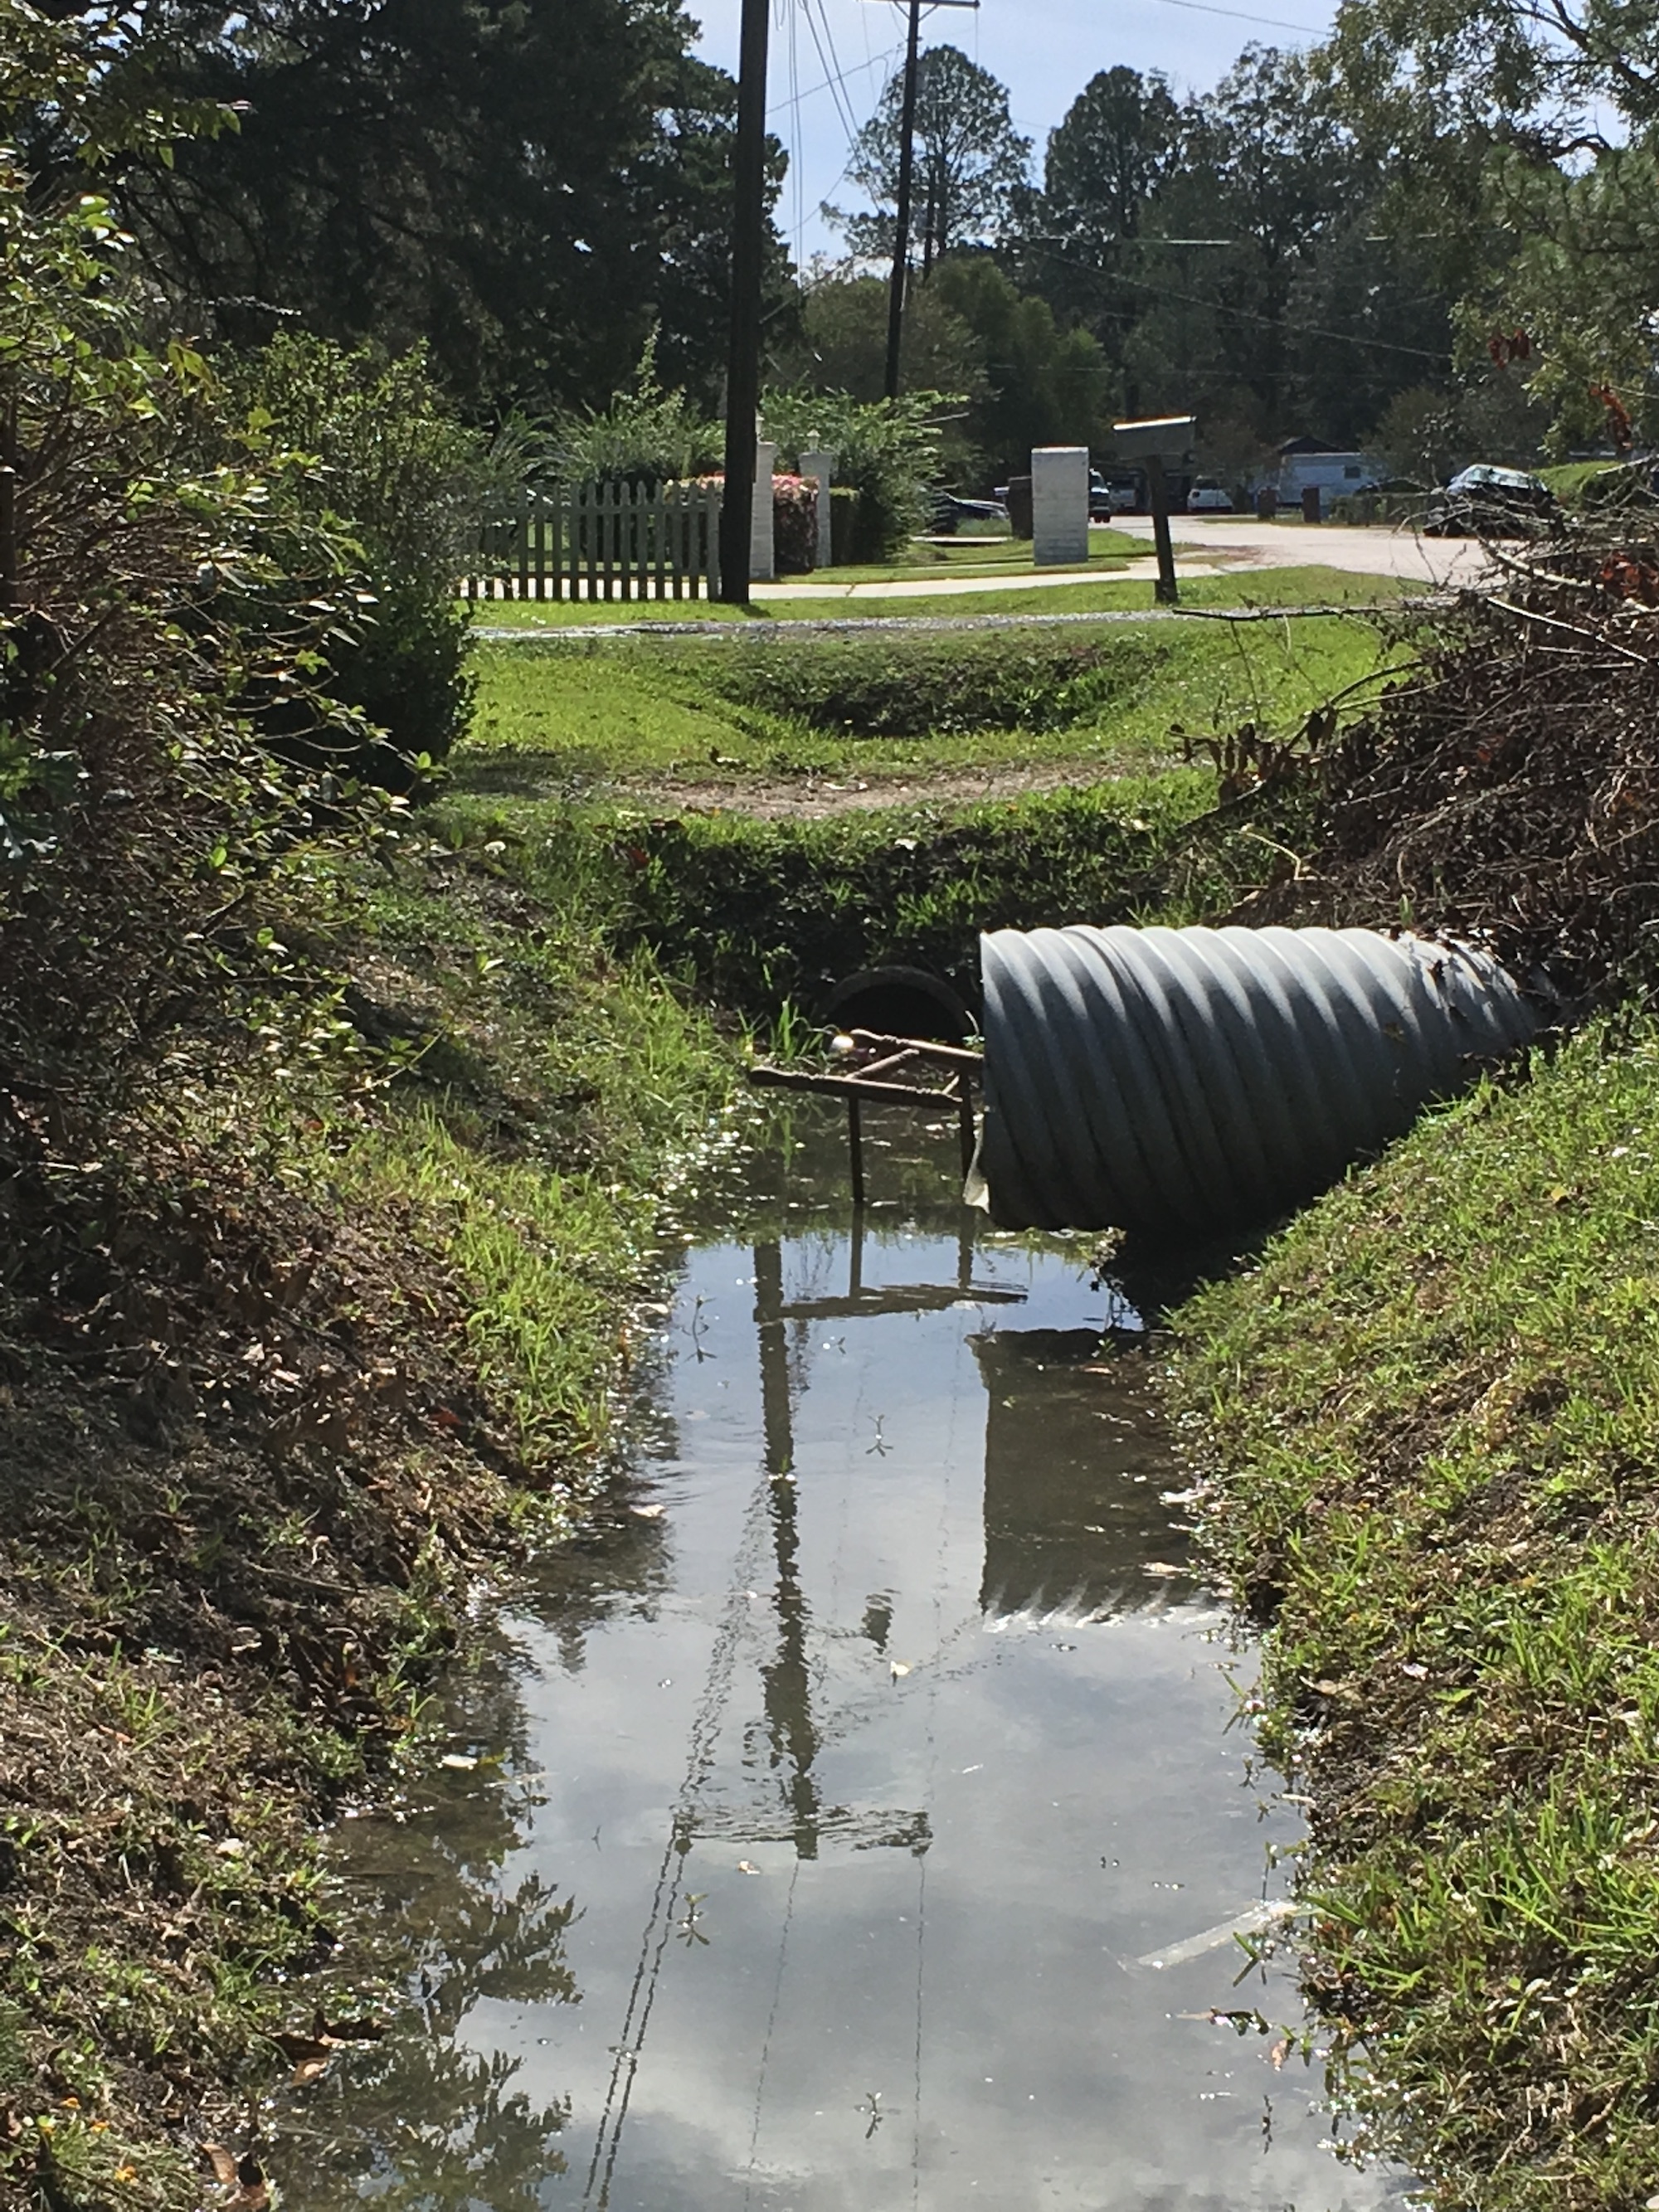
(1448, 563)
(948, 586)
(1375, 552)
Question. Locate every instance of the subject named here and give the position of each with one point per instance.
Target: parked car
(947, 512)
(1208, 497)
(1483, 502)
(1110, 495)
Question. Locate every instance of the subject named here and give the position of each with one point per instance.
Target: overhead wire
(1441, 356)
(1244, 16)
(828, 84)
(849, 121)
(796, 164)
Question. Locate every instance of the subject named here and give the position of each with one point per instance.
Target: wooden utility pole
(901, 214)
(906, 178)
(748, 262)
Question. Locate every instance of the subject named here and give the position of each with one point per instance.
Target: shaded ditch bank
(855, 1822)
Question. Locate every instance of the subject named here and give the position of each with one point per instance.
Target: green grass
(1247, 588)
(888, 707)
(398, 1276)
(1433, 1411)
(559, 1096)
(979, 557)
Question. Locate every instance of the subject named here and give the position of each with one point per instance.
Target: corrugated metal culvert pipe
(1181, 1079)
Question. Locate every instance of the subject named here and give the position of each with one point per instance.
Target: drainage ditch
(859, 1822)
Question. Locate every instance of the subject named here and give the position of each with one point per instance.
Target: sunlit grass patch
(1113, 592)
(1433, 1410)
(894, 705)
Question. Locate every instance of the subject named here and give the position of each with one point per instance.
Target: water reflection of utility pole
(788, 1688)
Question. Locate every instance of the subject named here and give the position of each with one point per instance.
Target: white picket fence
(601, 542)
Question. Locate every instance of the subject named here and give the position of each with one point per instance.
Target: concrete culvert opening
(906, 1002)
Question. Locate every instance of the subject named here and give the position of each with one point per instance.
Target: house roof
(1308, 446)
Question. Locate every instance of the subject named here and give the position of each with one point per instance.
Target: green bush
(141, 823)
(399, 478)
(794, 526)
(887, 450)
(646, 436)
(843, 524)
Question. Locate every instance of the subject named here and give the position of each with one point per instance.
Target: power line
(844, 105)
(1246, 314)
(834, 76)
(834, 83)
(1243, 16)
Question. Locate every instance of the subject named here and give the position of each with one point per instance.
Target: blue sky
(1044, 51)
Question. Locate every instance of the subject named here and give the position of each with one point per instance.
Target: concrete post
(1059, 506)
(762, 565)
(821, 465)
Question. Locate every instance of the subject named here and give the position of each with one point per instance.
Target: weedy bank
(327, 1330)
(1433, 1407)
(329, 1166)
(1427, 1420)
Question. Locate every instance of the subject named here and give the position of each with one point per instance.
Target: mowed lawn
(1113, 591)
(895, 705)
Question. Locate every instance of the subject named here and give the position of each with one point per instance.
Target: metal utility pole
(748, 258)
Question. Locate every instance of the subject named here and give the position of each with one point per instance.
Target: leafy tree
(843, 346)
(1043, 384)
(1262, 167)
(1365, 318)
(969, 160)
(1223, 251)
(1107, 161)
(1523, 143)
(523, 186)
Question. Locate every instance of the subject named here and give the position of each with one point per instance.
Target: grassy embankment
(335, 1325)
(1430, 1415)
(331, 1337)
(1029, 777)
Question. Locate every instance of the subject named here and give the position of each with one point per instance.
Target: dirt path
(809, 796)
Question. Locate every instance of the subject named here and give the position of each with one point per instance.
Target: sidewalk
(949, 586)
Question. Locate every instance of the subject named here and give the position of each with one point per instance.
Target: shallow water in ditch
(858, 1820)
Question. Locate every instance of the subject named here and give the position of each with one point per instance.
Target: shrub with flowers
(794, 524)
